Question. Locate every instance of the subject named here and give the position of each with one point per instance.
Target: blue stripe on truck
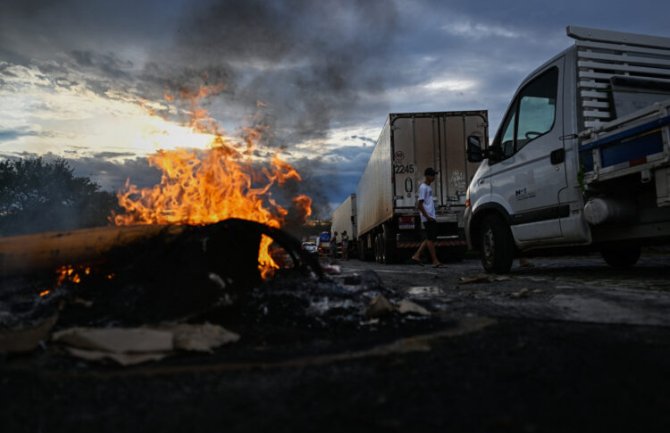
(654, 124)
(629, 145)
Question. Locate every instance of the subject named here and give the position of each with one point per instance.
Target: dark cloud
(112, 175)
(349, 153)
(113, 155)
(13, 134)
(365, 140)
(306, 61)
(314, 65)
(344, 165)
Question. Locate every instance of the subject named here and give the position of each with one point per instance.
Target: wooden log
(27, 254)
(151, 273)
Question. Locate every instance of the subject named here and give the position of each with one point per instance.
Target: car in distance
(310, 247)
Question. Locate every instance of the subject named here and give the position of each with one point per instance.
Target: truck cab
(535, 185)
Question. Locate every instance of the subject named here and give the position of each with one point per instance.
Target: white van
(582, 156)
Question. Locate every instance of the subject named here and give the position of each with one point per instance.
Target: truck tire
(376, 242)
(361, 249)
(388, 245)
(621, 256)
(497, 245)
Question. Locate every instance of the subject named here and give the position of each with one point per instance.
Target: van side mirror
(474, 149)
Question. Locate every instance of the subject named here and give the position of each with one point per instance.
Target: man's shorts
(430, 230)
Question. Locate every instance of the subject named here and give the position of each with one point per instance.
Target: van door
(529, 171)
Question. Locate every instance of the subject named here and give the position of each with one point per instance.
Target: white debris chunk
(408, 307)
(129, 346)
(379, 306)
(117, 340)
(202, 338)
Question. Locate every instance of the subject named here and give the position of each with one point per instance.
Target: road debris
(379, 307)
(332, 269)
(129, 346)
(484, 278)
(523, 293)
(26, 339)
(427, 292)
(408, 307)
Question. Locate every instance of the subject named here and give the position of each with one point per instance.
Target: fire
(68, 273)
(71, 273)
(304, 204)
(204, 187)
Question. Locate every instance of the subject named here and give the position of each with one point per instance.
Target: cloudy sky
(84, 79)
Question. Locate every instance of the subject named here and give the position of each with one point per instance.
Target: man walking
(426, 208)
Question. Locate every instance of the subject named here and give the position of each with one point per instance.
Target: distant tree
(40, 196)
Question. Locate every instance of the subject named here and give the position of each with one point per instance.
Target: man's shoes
(417, 261)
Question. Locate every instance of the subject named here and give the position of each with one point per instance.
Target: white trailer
(344, 218)
(388, 225)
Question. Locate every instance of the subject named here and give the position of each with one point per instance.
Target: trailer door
(405, 171)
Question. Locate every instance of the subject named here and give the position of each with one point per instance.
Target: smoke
(306, 61)
(295, 64)
(297, 67)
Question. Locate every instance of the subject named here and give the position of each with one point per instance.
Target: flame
(304, 204)
(68, 273)
(206, 186)
(71, 273)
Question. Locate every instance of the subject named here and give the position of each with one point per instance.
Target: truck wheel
(370, 253)
(497, 246)
(378, 248)
(388, 245)
(621, 256)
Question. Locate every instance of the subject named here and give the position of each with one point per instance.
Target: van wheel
(621, 256)
(497, 246)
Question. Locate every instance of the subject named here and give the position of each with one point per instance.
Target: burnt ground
(568, 345)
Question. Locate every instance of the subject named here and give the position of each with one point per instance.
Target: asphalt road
(575, 289)
(568, 345)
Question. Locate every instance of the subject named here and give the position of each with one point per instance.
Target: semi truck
(387, 219)
(323, 243)
(582, 157)
(344, 219)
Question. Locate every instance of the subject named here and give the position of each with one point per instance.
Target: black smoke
(297, 68)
